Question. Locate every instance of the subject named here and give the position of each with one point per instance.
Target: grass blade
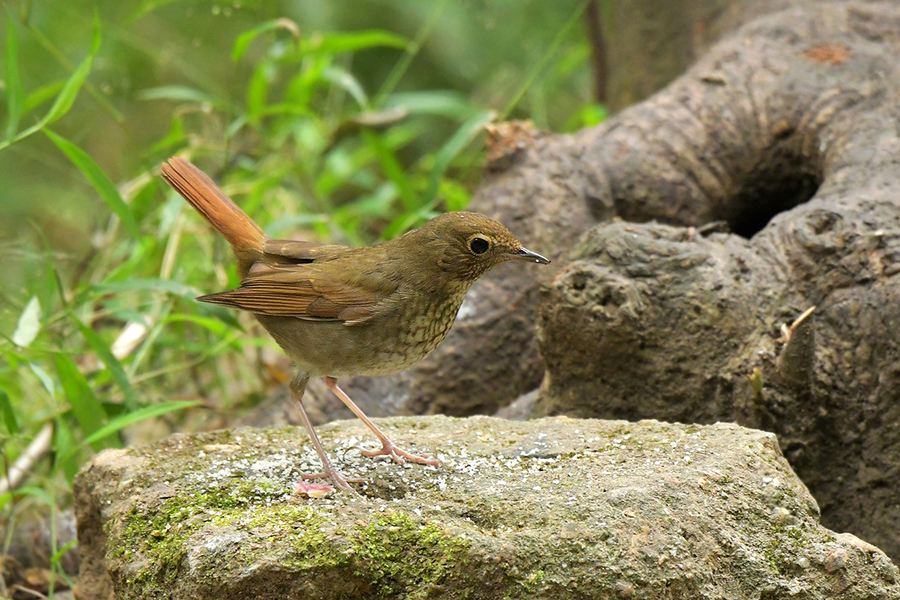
(66, 97)
(31, 491)
(42, 94)
(64, 449)
(86, 407)
(338, 43)
(347, 82)
(95, 175)
(442, 103)
(245, 39)
(182, 93)
(461, 138)
(545, 59)
(45, 379)
(9, 415)
(15, 96)
(412, 50)
(451, 148)
(217, 327)
(123, 421)
(154, 285)
(64, 101)
(392, 168)
(104, 352)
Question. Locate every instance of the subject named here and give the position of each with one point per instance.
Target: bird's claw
(399, 455)
(319, 490)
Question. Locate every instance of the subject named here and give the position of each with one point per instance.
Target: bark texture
(786, 131)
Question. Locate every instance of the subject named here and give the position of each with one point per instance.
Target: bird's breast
(389, 342)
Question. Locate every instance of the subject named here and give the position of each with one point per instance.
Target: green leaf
(35, 492)
(258, 89)
(216, 326)
(147, 6)
(111, 362)
(67, 96)
(63, 102)
(181, 93)
(412, 50)
(9, 415)
(153, 285)
(45, 378)
(461, 138)
(452, 105)
(95, 175)
(29, 324)
(42, 94)
(15, 96)
(97, 38)
(57, 556)
(86, 408)
(130, 418)
(454, 195)
(49, 278)
(64, 450)
(337, 43)
(245, 39)
(347, 82)
(451, 148)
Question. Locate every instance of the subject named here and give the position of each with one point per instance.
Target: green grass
(99, 332)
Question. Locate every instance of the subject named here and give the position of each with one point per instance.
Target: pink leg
(298, 386)
(387, 446)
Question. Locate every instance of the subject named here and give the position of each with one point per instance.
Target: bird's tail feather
(246, 238)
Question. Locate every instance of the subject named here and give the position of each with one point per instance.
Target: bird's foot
(318, 490)
(313, 490)
(399, 455)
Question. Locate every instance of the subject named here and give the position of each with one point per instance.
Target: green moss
(394, 553)
(398, 553)
(532, 580)
(158, 533)
(310, 544)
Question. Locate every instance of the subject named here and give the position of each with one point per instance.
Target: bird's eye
(479, 245)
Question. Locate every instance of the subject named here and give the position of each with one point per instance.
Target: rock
(555, 507)
(654, 321)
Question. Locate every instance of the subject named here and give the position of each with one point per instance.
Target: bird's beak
(526, 254)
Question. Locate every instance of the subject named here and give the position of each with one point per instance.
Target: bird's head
(466, 244)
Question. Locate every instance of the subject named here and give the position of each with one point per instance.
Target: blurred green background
(346, 120)
(475, 53)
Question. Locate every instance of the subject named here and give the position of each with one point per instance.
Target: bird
(338, 311)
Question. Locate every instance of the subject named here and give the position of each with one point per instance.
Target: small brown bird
(340, 311)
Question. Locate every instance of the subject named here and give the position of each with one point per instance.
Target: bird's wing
(299, 252)
(307, 293)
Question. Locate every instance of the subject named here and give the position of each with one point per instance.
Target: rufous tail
(246, 238)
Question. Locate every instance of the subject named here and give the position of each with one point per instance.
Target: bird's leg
(387, 446)
(298, 386)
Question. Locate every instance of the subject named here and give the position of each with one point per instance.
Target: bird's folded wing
(300, 252)
(289, 291)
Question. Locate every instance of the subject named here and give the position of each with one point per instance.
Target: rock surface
(556, 507)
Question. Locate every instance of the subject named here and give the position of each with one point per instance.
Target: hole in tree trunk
(780, 181)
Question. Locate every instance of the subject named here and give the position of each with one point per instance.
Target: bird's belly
(386, 345)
